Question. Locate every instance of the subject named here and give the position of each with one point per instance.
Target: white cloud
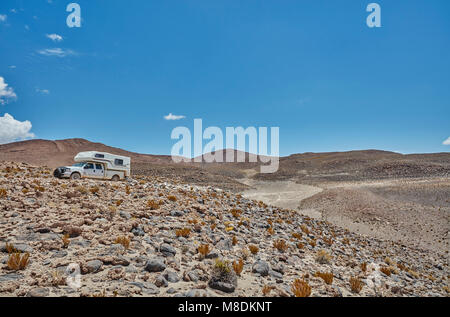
(12, 66)
(54, 37)
(170, 116)
(446, 142)
(3, 17)
(13, 10)
(6, 93)
(43, 91)
(12, 130)
(59, 52)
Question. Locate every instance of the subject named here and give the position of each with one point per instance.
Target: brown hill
(62, 152)
(305, 167)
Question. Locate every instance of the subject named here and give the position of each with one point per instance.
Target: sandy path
(283, 194)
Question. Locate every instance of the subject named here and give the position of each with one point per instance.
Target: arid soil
(414, 212)
(154, 236)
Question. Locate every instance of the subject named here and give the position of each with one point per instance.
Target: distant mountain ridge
(305, 167)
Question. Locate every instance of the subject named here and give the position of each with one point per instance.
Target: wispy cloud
(13, 130)
(6, 93)
(446, 142)
(3, 17)
(43, 91)
(54, 37)
(171, 116)
(59, 52)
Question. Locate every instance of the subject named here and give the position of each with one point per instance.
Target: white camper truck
(98, 165)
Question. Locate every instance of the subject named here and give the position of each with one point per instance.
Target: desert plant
(234, 240)
(280, 245)
(300, 288)
(238, 267)
(65, 240)
(235, 212)
(94, 190)
(17, 261)
(184, 232)
(152, 204)
(305, 229)
(364, 266)
(297, 235)
(327, 277)
(172, 198)
(386, 270)
(203, 250)
(270, 230)
(253, 249)
(124, 241)
(266, 289)
(10, 248)
(3, 193)
(355, 285)
(119, 202)
(323, 257)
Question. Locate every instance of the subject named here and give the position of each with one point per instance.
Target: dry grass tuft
(300, 288)
(323, 257)
(327, 277)
(3, 193)
(124, 241)
(204, 250)
(386, 270)
(364, 266)
(172, 198)
(153, 205)
(280, 245)
(65, 240)
(238, 267)
(184, 232)
(355, 285)
(17, 261)
(94, 190)
(266, 289)
(253, 248)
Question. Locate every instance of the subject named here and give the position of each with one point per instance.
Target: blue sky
(312, 68)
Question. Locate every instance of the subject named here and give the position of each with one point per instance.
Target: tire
(115, 178)
(75, 176)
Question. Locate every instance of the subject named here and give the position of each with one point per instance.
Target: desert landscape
(360, 223)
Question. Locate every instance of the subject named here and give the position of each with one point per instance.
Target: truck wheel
(75, 176)
(115, 178)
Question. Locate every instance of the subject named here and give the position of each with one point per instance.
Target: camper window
(118, 162)
(99, 155)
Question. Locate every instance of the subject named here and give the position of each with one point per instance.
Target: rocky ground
(152, 236)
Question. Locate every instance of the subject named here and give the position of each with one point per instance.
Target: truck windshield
(78, 164)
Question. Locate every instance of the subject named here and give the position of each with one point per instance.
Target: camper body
(98, 165)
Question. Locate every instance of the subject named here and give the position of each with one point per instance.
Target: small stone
(176, 213)
(167, 250)
(172, 277)
(94, 266)
(38, 292)
(72, 231)
(155, 265)
(261, 267)
(160, 281)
